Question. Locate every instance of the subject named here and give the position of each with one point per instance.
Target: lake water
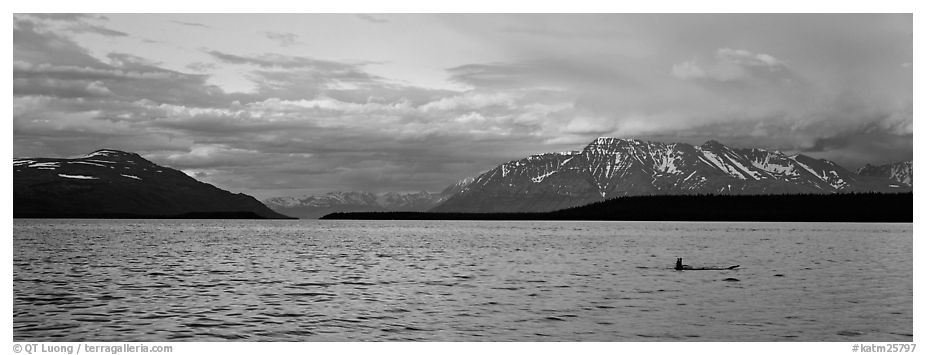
(189, 280)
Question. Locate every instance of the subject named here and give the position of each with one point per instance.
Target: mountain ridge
(838, 207)
(110, 182)
(612, 167)
(900, 172)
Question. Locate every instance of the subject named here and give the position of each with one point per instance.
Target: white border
(480, 6)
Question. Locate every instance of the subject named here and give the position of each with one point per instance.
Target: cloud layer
(311, 108)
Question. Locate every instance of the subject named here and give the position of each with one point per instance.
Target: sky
(294, 104)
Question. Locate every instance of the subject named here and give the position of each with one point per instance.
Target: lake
(310, 280)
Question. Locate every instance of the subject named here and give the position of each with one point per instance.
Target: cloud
(100, 30)
(489, 74)
(191, 24)
(688, 70)
(201, 66)
(297, 77)
(283, 61)
(49, 64)
(731, 65)
(307, 82)
(75, 23)
(546, 73)
(61, 89)
(132, 81)
(24, 70)
(371, 18)
(211, 156)
(67, 17)
(584, 125)
(472, 101)
(746, 58)
(326, 141)
(869, 144)
(34, 44)
(38, 116)
(561, 33)
(285, 39)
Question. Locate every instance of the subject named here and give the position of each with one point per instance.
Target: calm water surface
(131, 280)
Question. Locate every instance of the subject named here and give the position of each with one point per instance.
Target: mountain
(112, 183)
(315, 206)
(900, 172)
(612, 167)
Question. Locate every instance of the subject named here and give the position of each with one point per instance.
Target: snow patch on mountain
(541, 177)
(45, 165)
(104, 153)
(719, 163)
(810, 170)
(774, 167)
(82, 177)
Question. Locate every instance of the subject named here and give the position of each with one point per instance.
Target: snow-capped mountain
(612, 167)
(325, 200)
(455, 189)
(314, 206)
(900, 172)
(115, 183)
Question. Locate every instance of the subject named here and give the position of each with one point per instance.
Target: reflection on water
(101, 280)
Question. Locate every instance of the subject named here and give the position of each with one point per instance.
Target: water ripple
(99, 280)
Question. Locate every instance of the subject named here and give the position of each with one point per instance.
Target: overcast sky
(277, 105)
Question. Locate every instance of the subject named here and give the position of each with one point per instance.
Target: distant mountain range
(112, 184)
(900, 173)
(315, 206)
(612, 167)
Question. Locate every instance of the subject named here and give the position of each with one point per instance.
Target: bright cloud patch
(747, 58)
(730, 65)
(688, 70)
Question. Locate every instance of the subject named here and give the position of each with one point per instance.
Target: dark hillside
(856, 207)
